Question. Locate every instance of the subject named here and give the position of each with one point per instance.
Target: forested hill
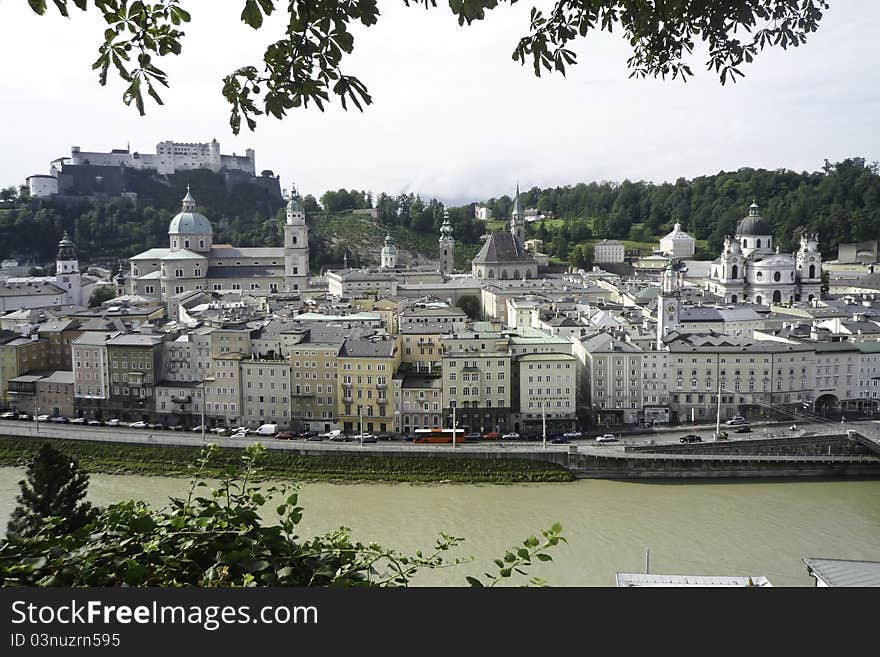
(114, 228)
(841, 202)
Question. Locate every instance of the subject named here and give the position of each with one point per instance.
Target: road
(165, 437)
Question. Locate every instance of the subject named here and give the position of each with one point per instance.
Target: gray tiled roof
(357, 347)
(502, 247)
(844, 572)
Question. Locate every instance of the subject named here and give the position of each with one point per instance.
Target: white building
(194, 262)
(750, 270)
(170, 157)
(608, 251)
(482, 213)
(678, 244)
(389, 254)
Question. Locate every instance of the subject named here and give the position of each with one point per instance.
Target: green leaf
(252, 15)
(39, 6)
(474, 582)
(556, 528)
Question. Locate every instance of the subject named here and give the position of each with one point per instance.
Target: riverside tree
(54, 488)
(218, 537)
(304, 64)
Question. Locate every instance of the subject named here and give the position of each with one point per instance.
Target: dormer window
(185, 244)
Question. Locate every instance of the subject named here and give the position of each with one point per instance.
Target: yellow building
(365, 367)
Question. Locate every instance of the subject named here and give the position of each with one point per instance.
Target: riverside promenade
(846, 454)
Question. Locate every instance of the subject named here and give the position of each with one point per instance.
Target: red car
(285, 435)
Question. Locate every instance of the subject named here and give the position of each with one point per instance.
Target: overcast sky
(453, 116)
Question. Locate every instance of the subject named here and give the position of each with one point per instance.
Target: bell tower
(447, 246)
(669, 302)
(296, 245)
(67, 274)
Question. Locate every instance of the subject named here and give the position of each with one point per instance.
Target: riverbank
(169, 460)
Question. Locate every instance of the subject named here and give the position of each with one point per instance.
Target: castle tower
(517, 219)
(389, 254)
(447, 245)
(67, 274)
(296, 245)
(668, 302)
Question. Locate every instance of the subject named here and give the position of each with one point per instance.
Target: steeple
(66, 248)
(447, 245)
(517, 218)
(296, 213)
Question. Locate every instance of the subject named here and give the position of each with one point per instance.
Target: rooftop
(844, 572)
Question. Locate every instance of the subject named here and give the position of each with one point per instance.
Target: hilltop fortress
(170, 157)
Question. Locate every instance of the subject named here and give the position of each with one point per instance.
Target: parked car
(473, 436)
(606, 438)
(176, 427)
(512, 435)
(8, 415)
(491, 435)
(691, 438)
(239, 434)
(316, 438)
(140, 424)
(559, 440)
(199, 427)
(411, 437)
(95, 423)
(155, 425)
(219, 430)
(339, 437)
(285, 435)
(267, 430)
(335, 434)
(243, 430)
(366, 438)
(43, 418)
(61, 420)
(573, 435)
(78, 420)
(736, 419)
(23, 416)
(113, 422)
(742, 428)
(306, 434)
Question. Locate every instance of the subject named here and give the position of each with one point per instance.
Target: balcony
(346, 385)
(181, 399)
(381, 386)
(346, 397)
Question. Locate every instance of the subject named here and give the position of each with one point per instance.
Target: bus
(439, 436)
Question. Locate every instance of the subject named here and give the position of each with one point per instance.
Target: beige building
(266, 392)
(608, 251)
(418, 403)
(547, 391)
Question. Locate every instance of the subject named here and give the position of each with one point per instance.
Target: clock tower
(669, 302)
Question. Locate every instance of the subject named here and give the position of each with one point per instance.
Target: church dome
(389, 249)
(754, 224)
(190, 222)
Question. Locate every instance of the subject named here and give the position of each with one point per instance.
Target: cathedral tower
(447, 246)
(296, 245)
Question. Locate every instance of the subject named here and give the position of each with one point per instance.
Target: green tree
(55, 488)
(305, 65)
(217, 537)
(100, 295)
(472, 306)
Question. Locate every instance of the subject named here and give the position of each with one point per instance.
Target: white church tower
(447, 246)
(67, 274)
(389, 254)
(669, 302)
(296, 245)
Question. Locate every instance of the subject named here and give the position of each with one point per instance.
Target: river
(714, 528)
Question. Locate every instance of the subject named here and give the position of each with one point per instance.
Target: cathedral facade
(193, 261)
(752, 270)
(504, 254)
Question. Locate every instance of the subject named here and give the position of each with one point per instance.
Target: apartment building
(418, 403)
(266, 392)
(547, 391)
(135, 367)
(365, 367)
(477, 380)
(611, 379)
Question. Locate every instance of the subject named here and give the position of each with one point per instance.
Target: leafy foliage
(100, 295)
(304, 65)
(55, 487)
(217, 537)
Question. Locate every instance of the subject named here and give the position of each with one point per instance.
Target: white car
(606, 438)
(113, 423)
(219, 430)
(78, 420)
(8, 415)
(573, 435)
(239, 434)
(513, 435)
(199, 428)
(140, 424)
(43, 418)
(243, 430)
